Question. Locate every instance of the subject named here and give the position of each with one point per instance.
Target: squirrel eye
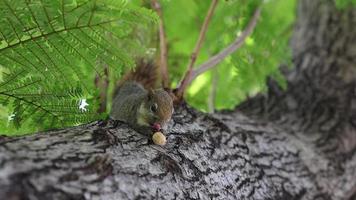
(154, 107)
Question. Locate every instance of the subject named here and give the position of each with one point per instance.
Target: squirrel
(137, 102)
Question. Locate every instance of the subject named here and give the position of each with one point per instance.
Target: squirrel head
(156, 110)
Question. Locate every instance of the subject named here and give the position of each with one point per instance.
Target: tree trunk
(297, 143)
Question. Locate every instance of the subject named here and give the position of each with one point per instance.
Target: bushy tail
(145, 73)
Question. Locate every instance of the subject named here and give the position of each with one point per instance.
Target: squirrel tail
(145, 73)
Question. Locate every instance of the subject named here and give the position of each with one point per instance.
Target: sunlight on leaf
(199, 83)
(83, 104)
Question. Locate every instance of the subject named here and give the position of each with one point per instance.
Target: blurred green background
(51, 52)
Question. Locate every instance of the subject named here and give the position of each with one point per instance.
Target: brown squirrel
(138, 103)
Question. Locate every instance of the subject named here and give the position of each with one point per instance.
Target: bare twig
(102, 82)
(213, 61)
(163, 45)
(183, 85)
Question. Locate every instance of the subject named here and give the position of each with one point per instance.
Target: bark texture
(294, 144)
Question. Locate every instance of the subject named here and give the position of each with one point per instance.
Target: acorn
(159, 139)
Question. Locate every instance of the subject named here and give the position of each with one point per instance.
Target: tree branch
(213, 61)
(183, 85)
(163, 45)
(208, 156)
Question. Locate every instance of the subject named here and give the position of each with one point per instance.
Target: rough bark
(297, 143)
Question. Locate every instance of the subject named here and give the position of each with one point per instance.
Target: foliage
(342, 4)
(50, 52)
(242, 74)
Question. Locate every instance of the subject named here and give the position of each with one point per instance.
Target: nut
(159, 139)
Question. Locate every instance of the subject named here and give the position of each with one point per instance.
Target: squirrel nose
(156, 127)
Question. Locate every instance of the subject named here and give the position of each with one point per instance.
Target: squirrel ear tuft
(150, 94)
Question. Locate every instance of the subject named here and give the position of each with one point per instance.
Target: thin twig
(102, 83)
(163, 45)
(183, 85)
(213, 61)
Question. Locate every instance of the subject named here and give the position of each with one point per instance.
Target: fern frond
(41, 105)
(50, 50)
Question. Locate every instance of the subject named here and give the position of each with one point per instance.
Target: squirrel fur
(137, 102)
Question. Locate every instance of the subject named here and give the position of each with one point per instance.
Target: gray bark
(297, 143)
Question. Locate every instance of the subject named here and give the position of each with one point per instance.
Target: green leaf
(51, 52)
(342, 4)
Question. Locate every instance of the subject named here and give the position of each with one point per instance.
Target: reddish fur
(145, 73)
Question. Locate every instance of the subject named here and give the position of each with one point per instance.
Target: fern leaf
(50, 51)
